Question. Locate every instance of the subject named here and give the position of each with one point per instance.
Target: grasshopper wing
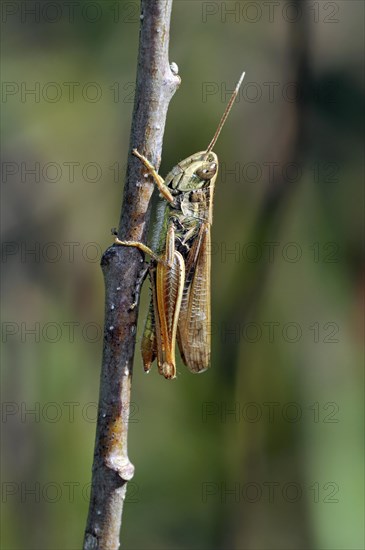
(169, 290)
(193, 333)
(167, 277)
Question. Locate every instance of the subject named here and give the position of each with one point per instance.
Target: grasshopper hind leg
(149, 340)
(137, 290)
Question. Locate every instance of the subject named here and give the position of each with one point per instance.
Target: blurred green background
(264, 451)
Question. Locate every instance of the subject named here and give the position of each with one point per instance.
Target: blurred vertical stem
(112, 469)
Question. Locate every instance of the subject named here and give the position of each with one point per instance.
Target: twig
(112, 469)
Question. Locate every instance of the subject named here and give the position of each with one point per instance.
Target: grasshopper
(180, 261)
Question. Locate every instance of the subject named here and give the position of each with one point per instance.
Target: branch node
(91, 542)
(174, 68)
(107, 257)
(121, 465)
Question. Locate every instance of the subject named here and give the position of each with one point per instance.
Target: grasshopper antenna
(225, 114)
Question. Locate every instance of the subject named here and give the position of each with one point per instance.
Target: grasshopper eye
(208, 172)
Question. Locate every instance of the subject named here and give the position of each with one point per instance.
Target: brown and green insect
(180, 261)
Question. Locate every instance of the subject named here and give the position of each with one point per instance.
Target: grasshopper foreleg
(164, 190)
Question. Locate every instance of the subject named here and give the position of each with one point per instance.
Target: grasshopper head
(200, 170)
(195, 172)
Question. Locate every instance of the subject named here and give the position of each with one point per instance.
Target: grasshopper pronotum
(180, 261)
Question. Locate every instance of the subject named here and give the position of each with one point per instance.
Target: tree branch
(112, 469)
